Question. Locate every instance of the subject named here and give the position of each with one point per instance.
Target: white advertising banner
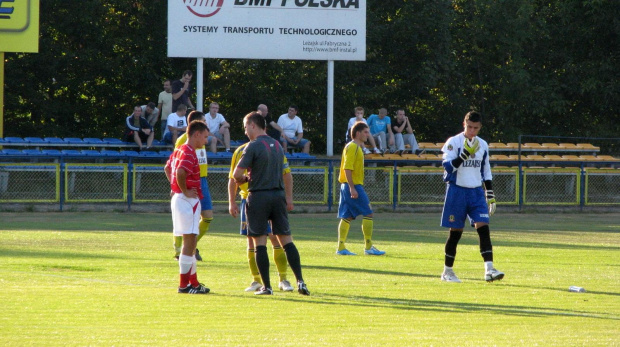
(267, 29)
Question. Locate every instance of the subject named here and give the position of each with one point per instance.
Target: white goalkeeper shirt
(473, 171)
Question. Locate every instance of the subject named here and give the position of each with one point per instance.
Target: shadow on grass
(368, 271)
(9, 253)
(446, 306)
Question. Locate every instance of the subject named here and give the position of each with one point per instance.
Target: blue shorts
(205, 203)
(462, 202)
(298, 145)
(351, 208)
(244, 224)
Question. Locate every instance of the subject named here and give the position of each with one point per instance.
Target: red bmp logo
(204, 8)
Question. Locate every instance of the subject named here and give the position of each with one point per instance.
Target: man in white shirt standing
(218, 128)
(164, 104)
(293, 131)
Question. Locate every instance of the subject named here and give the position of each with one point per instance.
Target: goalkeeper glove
(491, 202)
(469, 148)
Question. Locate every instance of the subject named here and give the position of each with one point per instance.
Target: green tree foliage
(532, 67)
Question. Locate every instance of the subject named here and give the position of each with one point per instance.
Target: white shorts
(185, 215)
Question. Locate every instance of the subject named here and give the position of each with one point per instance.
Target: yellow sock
(178, 243)
(253, 266)
(367, 225)
(343, 232)
(281, 263)
(203, 227)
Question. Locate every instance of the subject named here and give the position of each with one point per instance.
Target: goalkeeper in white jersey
(469, 193)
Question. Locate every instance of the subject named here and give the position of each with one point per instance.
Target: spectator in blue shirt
(381, 130)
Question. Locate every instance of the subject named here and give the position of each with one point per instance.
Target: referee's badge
(450, 147)
(451, 218)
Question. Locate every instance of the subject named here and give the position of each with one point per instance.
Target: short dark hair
(195, 115)
(188, 72)
(196, 126)
(294, 107)
(473, 116)
(256, 118)
(182, 107)
(151, 105)
(357, 127)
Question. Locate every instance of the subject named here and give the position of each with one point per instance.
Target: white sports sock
(447, 268)
(488, 265)
(193, 269)
(185, 263)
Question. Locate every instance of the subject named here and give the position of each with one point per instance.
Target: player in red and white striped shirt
(183, 172)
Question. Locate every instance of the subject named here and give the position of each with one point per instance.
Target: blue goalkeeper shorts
(462, 202)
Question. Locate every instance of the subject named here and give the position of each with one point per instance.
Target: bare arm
(409, 127)
(182, 183)
(349, 175)
(233, 209)
(277, 127)
(288, 190)
(239, 176)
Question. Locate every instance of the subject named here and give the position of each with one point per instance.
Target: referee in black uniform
(268, 200)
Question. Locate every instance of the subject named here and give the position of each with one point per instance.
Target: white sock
(194, 263)
(488, 265)
(447, 268)
(185, 263)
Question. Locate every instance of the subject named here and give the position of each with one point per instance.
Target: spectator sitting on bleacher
(150, 113)
(359, 117)
(292, 131)
(176, 124)
(381, 130)
(403, 133)
(138, 129)
(218, 128)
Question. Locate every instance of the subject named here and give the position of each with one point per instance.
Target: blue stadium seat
(1, 140)
(113, 141)
(111, 153)
(74, 140)
(53, 140)
(225, 154)
(91, 153)
(93, 141)
(303, 156)
(11, 151)
(130, 153)
(51, 152)
(14, 140)
(149, 154)
(71, 152)
(165, 153)
(158, 143)
(34, 140)
(31, 152)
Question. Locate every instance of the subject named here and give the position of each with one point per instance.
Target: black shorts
(129, 136)
(267, 205)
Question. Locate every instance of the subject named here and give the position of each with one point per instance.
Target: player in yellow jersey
(206, 213)
(353, 198)
(278, 253)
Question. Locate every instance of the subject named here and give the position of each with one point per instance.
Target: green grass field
(110, 279)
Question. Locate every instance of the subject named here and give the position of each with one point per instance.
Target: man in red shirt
(183, 172)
